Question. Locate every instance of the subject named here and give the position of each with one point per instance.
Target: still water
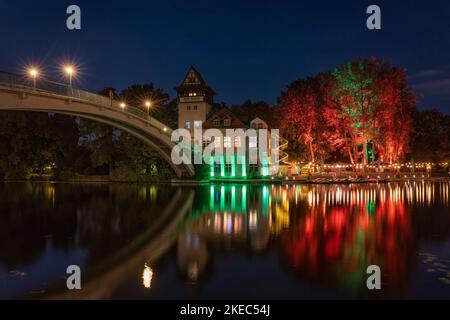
(224, 241)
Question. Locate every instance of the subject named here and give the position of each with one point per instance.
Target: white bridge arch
(16, 93)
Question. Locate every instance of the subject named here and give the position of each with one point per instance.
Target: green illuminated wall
(238, 170)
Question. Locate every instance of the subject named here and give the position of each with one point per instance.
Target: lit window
(253, 142)
(217, 142)
(227, 142)
(197, 124)
(216, 122)
(237, 142)
(187, 125)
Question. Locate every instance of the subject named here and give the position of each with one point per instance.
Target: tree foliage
(363, 109)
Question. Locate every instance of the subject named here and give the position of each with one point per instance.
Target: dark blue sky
(244, 49)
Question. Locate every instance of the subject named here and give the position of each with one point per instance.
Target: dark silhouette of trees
(431, 136)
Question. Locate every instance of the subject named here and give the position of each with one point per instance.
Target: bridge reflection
(323, 236)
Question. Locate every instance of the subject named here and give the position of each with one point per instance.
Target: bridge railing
(46, 86)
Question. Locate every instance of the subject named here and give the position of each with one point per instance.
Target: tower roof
(194, 80)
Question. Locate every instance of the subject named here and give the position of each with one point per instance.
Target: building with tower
(195, 100)
(196, 110)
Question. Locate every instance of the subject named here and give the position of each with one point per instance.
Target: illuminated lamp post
(34, 74)
(70, 72)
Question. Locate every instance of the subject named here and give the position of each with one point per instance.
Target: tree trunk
(365, 154)
(311, 150)
(352, 159)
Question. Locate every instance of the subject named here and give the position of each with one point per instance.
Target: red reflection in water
(334, 244)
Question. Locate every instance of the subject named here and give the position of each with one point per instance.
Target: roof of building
(222, 114)
(194, 80)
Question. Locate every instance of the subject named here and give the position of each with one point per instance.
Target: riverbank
(272, 180)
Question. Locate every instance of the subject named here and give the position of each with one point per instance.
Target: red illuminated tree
(301, 108)
(362, 109)
(396, 104)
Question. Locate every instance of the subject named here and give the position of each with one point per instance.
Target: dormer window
(216, 122)
(227, 122)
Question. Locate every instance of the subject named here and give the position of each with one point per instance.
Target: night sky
(244, 49)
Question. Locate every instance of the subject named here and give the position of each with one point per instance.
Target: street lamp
(123, 105)
(69, 71)
(34, 74)
(148, 104)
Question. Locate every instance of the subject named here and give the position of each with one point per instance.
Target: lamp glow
(70, 70)
(33, 72)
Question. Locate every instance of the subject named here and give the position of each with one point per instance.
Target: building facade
(196, 110)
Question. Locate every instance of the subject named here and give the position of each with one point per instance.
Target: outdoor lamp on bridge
(34, 74)
(148, 104)
(69, 71)
(123, 105)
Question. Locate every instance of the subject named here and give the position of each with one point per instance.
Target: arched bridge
(16, 93)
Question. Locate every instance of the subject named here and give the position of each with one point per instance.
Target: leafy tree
(431, 136)
(31, 142)
(376, 107)
(250, 110)
(302, 109)
(360, 108)
(101, 141)
(161, 109)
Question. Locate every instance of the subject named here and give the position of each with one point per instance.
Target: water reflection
(225, 240)
(46, 227)
(325, 235)
(147, 276)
